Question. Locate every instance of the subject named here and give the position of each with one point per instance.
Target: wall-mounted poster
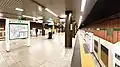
(104, 55)
(18, 30)
(96, 46)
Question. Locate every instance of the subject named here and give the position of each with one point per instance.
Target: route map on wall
(18, 31)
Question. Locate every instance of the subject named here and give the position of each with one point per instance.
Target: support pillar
(68, 29)
(28, 42)
(43, 29)
(7, 41)
(43, 24)
(73, 31)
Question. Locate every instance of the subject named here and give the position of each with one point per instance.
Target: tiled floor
(41, 53)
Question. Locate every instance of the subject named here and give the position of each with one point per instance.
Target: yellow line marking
(86, 59)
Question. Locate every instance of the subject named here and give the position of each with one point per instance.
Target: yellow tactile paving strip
(86, 59)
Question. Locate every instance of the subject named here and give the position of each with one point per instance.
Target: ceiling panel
(6, 5)
(30, 8)
(57, 6)
(9, 3)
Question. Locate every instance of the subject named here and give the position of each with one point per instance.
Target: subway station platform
(81, 55)
(91, 35)
(45, 52)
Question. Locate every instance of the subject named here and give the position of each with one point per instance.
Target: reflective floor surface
(43, 52)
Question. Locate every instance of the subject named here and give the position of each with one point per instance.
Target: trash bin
(50, 35)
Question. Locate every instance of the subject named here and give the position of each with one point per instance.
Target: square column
(68, 29)
(43, 29)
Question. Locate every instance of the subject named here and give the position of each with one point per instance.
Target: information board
(18, 30)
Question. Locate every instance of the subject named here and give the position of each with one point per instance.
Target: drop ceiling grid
(27, 2)
(10, 4)
(31, 8)
(51, 2)
(6, 3)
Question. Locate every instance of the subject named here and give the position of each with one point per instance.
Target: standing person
(36, 30)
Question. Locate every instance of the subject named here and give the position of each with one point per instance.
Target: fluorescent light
(80, 20)
(28, 16)
(83, 5)
(51, 12)
(34, 18)
(1, 14)
(40, 8)
(63, 16)
(40, 17)
(19, 9)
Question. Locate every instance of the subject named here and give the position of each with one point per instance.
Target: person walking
(36, 30)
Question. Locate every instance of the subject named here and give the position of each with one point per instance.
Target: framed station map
(18, 30)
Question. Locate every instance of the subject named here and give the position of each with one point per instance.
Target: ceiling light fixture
(34, 18)
(19, 9)
(63, 16)
(51, 12)
(28, 16)
(83, 5)
(34, 1)
(80, 20)
(40, 8)
(40, 17)
(1, 14)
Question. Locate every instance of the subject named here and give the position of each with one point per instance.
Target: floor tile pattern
(41, 53)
